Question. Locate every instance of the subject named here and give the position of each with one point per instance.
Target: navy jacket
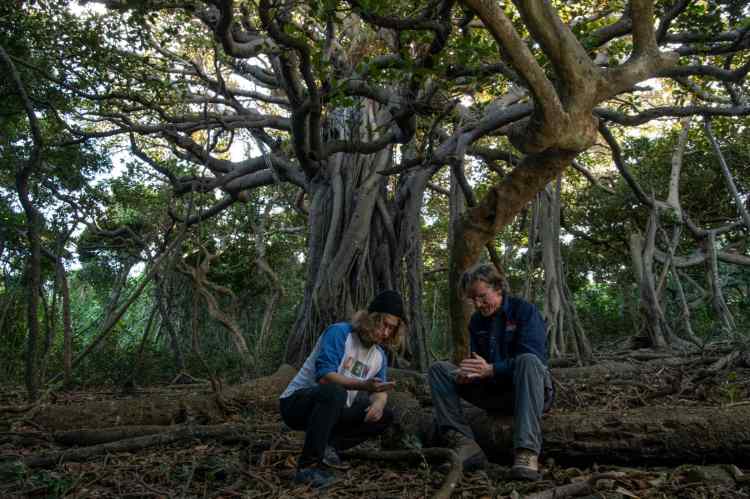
(516, 328)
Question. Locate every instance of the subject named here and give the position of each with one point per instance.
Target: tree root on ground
(17, 409)
(223, 433)
(87, 437)
(428, 454)
(568, 490)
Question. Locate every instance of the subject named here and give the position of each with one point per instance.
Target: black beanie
(388, 302)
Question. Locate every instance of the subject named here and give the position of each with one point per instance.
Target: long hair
(365, 323)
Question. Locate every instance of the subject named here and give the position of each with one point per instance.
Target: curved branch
(727, 174)
(704, 36)
(139, 153)
(460, 175)
(673, 198)
(622, 167)
(521, 58)
(669, 16)
(590, 177)
(354, 146)
(205, 215)
(568, 57)
(670, 112)
(312, 106)
(700, 93)
(735, 76)
(420, 22)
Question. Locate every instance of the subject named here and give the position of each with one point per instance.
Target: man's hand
(375, 411)
(475, 367)
(376, 386)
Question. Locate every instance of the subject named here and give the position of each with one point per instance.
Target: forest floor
(263, 465)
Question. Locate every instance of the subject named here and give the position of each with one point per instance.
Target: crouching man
(339, 396)
(506, 372)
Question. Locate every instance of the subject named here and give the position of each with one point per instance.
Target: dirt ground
(262, 465)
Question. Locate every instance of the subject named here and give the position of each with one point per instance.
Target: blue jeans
(523, 396)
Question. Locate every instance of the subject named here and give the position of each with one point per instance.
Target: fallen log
(261, 393)
(659, 434)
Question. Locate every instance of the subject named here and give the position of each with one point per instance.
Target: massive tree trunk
(364, 237)
(480, 224)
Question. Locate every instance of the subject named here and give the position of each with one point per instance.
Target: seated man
(328, 398)
(505, 372)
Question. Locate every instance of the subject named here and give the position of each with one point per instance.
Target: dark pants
(321, 412)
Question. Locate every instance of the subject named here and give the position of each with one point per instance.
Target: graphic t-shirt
(339, 349)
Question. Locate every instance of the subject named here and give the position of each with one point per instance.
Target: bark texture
(651, 434)
(364, 236)
(655, 434)
(200, 408)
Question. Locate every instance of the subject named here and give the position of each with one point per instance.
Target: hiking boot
(314, 477)
(332, 459)
(471, 455)
(526, 466)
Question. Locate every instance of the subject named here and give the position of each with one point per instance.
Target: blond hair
(365, 323)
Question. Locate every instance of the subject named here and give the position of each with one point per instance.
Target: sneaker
(332, 459)
(314, 477)
(526, 466)
(468, 450)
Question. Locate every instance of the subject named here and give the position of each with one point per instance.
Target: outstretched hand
(376, 386)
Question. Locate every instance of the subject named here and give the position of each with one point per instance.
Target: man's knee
(528, 361)
(440, 369)
(528, 367)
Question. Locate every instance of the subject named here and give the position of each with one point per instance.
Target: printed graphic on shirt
(360, 369)
(359, 362)
(510, 326)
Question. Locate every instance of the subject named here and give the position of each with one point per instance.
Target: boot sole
(526, 474)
